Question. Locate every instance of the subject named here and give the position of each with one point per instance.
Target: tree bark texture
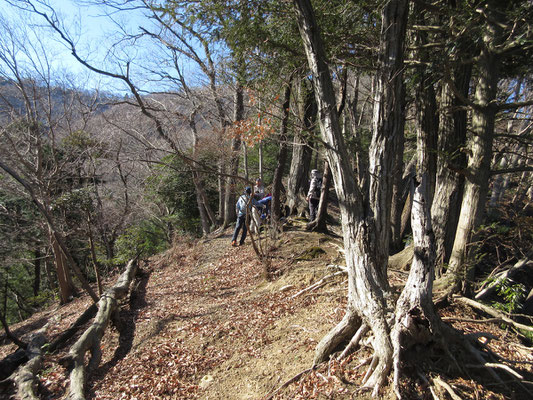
(427, 120)
(222, 187)
(398, 200)
(66, 289)
(479, 147)
(415, 319)
(388, 123)
(73, 328)
(449, 183)
(90, 339)
(365, 225)
(204, 217)
(401, 202)
(25, 376)
(37, 271)
(508, 160)
(230, 197)
(301, 155)
(282, 156)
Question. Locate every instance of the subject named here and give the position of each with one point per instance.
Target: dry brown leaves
(199, 308)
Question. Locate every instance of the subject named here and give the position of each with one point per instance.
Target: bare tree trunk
(301, 155)
(222, 188)
(93, 257)
(282, 156)
(508, 160)
(415, 319)
(52, 284)
(365, 225)
(355, 121)
(207, 216)
(398, 200)
(449, 183)
(204, 218)
(479, 150)
(25, 377)
(245, 161)
(388, 124)
(37, 271)
(260, 156)
(55, 236)
(3, 321)
(230, 198)
(66, 289)
(427, 121)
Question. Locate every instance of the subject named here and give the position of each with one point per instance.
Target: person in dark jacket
(241, 208)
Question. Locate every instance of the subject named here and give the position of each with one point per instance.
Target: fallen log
(72, 329)
(493, 312)
(25, 377)
(91, 338)
(524, 262)
(11, 362)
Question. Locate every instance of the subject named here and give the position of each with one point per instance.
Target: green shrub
(512, 295)
(143, 239)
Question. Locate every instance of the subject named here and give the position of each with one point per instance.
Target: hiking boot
(234, 243)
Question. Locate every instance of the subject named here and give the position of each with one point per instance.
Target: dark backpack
(318, 187)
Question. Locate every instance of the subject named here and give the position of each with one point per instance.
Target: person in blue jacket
(241, 209)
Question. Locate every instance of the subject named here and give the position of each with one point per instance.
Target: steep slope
(204, 323)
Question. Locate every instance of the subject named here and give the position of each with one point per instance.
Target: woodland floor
(204, 323)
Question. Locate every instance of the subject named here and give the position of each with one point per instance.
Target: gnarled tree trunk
(365, 222)
(416, 321)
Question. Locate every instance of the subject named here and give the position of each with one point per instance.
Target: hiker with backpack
(241, 208)
(313, 196)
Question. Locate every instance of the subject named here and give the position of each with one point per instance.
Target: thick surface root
(341, 333)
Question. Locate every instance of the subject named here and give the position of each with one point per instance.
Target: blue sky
(95, 34)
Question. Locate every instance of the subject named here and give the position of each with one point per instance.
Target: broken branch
(493, 312)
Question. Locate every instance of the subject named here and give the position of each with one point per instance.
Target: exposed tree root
(363, 329)
(90, 340)
(270, 395)
(379, 369)
(430, 386)
(10, 363)
(341, 333)
(479, 357)
(25, 377)
(497, 365)
(439, 382)
(413, 323)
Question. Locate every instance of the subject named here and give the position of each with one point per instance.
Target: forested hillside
(405, 274)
